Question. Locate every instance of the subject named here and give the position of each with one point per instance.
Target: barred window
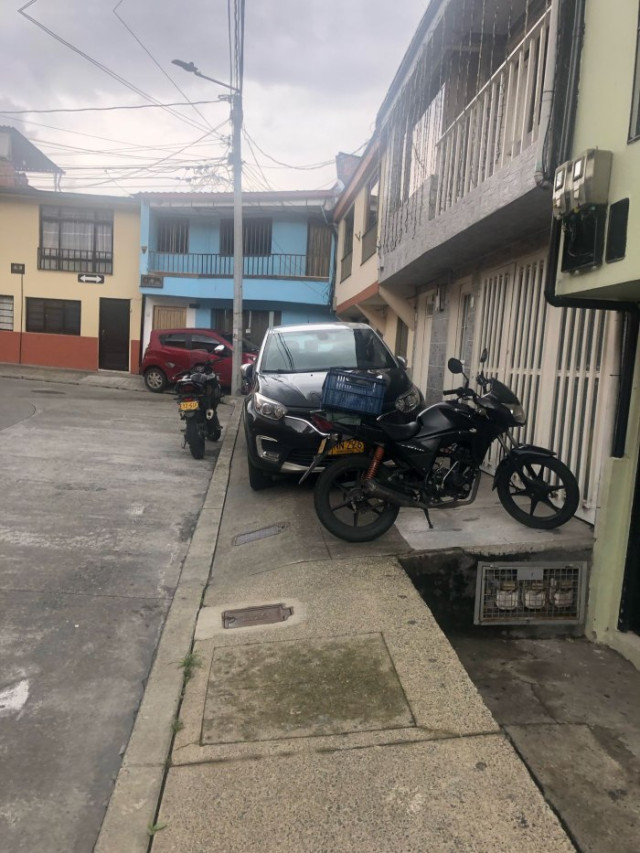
(173, 236)
(53, 316)
(256, 237)
(76, 239)
(6, 313)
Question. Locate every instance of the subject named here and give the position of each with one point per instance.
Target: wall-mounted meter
(590, 178)
(562, 201)
(582, 182)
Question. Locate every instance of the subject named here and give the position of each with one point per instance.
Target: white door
(558, 361)
(422, 339)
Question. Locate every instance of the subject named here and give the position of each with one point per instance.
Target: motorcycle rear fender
(515, 452)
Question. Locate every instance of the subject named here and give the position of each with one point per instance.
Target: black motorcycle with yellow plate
(433, 461)
(199, 392)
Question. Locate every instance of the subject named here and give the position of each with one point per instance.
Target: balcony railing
(221, 266)
(500, 122)
(75, 260)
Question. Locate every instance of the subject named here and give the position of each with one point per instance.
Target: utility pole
(235, 158)
(238, 248)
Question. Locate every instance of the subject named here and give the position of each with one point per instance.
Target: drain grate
(531, 593)
(264, 614)
(262, 533)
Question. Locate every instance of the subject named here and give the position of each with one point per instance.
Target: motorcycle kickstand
(426, 515)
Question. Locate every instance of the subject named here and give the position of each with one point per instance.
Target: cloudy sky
(315, 73)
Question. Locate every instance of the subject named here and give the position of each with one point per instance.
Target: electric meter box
(562, 199)
(590, 178)
(582, 182)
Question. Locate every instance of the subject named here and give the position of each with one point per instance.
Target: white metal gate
(561, 364)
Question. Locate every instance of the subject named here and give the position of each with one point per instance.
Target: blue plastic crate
(353, 392)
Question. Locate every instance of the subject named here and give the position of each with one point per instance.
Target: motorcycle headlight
(408, 401)
(517, 413)
(269, 408)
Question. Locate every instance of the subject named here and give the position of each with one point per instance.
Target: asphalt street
(98, 504)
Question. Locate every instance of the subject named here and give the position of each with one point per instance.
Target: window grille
(6, 313)
(347, 246)
(53, 316)
(402, 338)
(173, 236)
(76, 239)
(256, 237)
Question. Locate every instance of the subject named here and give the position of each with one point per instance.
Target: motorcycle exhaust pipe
(375, 490)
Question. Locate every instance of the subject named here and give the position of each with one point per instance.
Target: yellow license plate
(350, 446)
(188, 405)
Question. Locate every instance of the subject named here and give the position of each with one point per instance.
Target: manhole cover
(262, 533)
(265, 614)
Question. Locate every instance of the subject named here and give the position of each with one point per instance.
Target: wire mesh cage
(530, 593)
(351, 392)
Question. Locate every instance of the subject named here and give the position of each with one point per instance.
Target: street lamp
(235, 98)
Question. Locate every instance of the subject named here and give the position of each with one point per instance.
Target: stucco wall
(19, 240)
(602, 121)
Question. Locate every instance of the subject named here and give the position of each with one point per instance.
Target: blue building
(186, 260)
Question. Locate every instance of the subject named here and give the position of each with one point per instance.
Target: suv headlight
(269, 408)
(408, 401)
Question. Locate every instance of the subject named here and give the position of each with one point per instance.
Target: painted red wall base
(70, 351)
(134, 358)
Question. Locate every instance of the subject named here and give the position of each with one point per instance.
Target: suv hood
(303, 391)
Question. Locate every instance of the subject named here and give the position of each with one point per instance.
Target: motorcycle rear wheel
(342, 507)
(214, 430)
(195, 438)
(539, 491)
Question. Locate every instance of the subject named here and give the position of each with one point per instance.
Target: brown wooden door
(113, 349)
(169, 317)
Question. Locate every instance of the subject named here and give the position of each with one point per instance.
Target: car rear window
(177, 341)
(306, 351)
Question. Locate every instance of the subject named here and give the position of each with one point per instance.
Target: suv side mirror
(402, 361)
(247, 371)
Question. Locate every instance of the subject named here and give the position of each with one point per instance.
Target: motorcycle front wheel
(539, 491)
(342, 506)
(195, 438)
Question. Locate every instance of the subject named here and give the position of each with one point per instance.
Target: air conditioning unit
(531, 593)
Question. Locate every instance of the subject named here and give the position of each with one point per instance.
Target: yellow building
(596, 263)
(69, 280)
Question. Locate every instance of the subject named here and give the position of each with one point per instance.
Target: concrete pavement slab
(573, 752)
(468, 794)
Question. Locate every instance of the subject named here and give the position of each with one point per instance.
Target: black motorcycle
(199, 393)
(434, 462)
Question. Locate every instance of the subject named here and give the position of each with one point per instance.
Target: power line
(155, 61)
(114, 75)
(107, 109)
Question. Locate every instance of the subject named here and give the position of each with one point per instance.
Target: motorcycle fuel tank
(442, 418)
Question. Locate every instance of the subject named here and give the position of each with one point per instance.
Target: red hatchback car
(170, 351)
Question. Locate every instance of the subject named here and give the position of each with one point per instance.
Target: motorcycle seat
(400, 432)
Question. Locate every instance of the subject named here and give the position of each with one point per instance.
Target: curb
(69, 376)
(138, 788)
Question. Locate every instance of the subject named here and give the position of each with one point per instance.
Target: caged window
(634, 124)
(53, 316)
(6, 313)
(76, 239)
(256, 238)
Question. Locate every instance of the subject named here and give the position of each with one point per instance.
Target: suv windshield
(306, 351)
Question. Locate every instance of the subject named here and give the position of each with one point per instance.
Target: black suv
(285, 387)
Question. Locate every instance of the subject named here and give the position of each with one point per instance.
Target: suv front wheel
(155, 380)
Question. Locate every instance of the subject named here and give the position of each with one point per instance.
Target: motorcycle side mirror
(219, 349)
(455, 365)
(484, 355)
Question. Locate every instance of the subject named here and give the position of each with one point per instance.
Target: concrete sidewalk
(352, 725)
(100, 379)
